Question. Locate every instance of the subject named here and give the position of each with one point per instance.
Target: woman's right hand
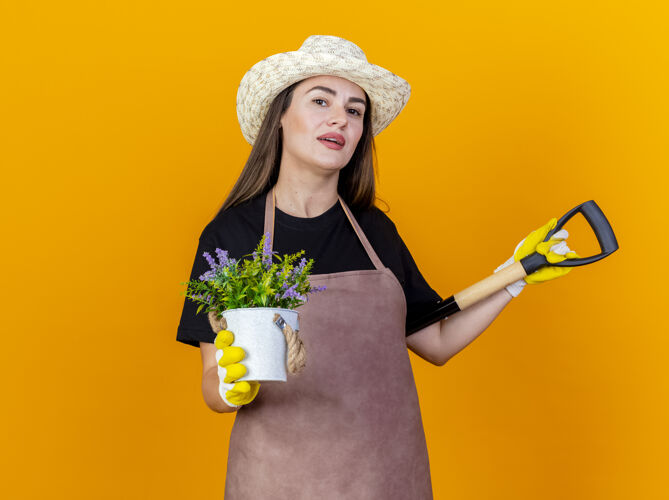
(230, 369)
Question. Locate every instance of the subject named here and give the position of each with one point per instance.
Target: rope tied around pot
(296, 355)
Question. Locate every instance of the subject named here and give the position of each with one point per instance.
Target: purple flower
(208, 298)
(208, 275)
(315, 289)
(210, 260)
(267, 251)
(298, 269)
(292, 294)
(222, 257)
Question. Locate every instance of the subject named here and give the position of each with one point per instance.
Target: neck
(305, 195)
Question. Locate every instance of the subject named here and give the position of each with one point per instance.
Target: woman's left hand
(555, 250)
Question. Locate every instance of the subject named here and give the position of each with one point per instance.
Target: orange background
(120, 140)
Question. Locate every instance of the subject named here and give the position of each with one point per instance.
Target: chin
(331, 164)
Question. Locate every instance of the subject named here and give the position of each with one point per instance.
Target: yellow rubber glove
(230, 369)
(555, 250)
(552, 249)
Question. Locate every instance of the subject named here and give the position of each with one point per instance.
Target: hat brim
(387, 92)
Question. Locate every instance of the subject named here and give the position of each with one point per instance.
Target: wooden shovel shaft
(487, 286)
(469, 296)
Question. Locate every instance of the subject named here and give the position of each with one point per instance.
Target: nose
(338, 115)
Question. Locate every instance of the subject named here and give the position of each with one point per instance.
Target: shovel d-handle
(519, 269)
(599, 224)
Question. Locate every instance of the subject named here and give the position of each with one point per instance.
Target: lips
(333, 137)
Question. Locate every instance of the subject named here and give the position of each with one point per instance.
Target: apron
(349, 425)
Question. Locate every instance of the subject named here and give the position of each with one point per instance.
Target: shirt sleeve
(421, 299)
(195, 328)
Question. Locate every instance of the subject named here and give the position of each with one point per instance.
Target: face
(323, 105)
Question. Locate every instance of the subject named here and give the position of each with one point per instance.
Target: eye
(355, 111)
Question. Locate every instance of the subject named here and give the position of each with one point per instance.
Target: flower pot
(262, 340)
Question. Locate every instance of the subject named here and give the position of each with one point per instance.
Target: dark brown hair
(356, 180)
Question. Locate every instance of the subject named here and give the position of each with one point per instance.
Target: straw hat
(318, 55)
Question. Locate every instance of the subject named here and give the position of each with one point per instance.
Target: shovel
(529, 264)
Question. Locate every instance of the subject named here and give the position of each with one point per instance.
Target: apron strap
(270, 203)
(269, 216)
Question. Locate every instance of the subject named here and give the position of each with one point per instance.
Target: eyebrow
(333, 92)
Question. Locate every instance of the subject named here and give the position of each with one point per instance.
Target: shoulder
(376, 222)
(238, 226)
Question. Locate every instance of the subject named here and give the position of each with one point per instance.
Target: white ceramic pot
(262, 340)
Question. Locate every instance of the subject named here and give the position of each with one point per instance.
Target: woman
(349, 425)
